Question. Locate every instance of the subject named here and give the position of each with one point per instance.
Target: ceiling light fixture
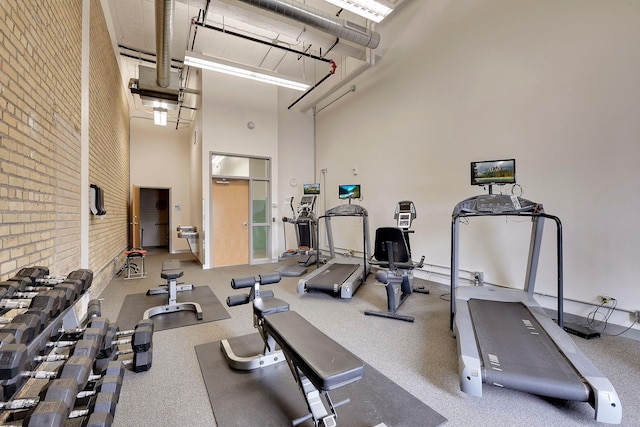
(160, 116)
(219, 65)
(370, 9)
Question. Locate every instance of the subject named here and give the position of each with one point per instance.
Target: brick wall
(40, 139)
(109, 152)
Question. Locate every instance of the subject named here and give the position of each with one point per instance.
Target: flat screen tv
(311, 188)
(490, 172)
(349, 191)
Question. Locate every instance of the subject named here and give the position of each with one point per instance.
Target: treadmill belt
(332, 277)
(517, 353)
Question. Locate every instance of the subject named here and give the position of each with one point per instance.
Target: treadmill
(340, 277)
(505, 338)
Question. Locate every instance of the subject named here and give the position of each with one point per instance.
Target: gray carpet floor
(420, 357)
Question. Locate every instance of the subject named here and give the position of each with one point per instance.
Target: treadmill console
(347, 210)
(495, 204)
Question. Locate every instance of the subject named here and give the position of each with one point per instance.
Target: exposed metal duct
(313, 17)
(164, 37)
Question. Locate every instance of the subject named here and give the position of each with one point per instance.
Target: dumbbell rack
(66, 320)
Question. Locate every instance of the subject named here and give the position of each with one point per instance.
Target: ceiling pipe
(164, 37)
(253, 39)
(300, 12)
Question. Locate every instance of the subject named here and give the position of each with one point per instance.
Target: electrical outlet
(606, 297)
(479, 278)
(636, 315)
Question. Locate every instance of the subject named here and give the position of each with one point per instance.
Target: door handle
(245, 223)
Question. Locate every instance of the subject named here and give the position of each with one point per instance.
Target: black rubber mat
(518, 354)
(270, 396)
(134, 306)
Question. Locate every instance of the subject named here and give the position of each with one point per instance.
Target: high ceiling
(238, 32)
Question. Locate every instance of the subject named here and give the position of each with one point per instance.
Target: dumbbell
(105, 398)
(31, 274)
(94, 309)
(83, 275)
(24, 279)
(100, 412)
(79, 368)
(73, 285)
(25, 326)
(95, 332)
(141, 341)
(6, 338)
(141, 361)
(14, 357)
(9, 287)
(45, 305)
(140, 337)
(101, 323)
(60, 396)
(65, 389)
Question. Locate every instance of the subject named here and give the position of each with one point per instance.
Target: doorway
(240, 210)
(230, 225)
(152, 229)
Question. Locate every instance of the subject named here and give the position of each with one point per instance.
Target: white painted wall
(228, 104)
(551, 83)
(160, 158)
(296, 160)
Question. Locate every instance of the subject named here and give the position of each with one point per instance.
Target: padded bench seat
(265, 306)
(171, 269)
(323, 361)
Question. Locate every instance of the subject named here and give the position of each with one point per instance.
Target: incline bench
(317, 362)
(171, 272)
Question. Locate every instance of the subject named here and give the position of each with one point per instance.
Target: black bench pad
(171, 269)
(265, 306)
(323, 361)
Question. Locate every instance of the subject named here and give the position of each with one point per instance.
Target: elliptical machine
(393, 255)
(305, 227)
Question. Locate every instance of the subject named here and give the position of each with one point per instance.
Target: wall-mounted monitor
(311, 188)
(350, 191)
(490, 172)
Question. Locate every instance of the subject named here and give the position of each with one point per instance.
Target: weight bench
(317, 362)
(171, 272)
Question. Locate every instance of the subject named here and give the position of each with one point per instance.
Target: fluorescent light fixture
(219, 65)
(148, 101)
(160, 116)
(370, 9)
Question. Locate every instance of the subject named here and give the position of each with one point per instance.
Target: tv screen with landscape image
(350, 191)
(311, 188)
(489, 172)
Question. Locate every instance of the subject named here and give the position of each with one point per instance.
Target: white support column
(84, 137)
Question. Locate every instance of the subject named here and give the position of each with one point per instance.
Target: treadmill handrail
(354, 211)
(559, 259)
